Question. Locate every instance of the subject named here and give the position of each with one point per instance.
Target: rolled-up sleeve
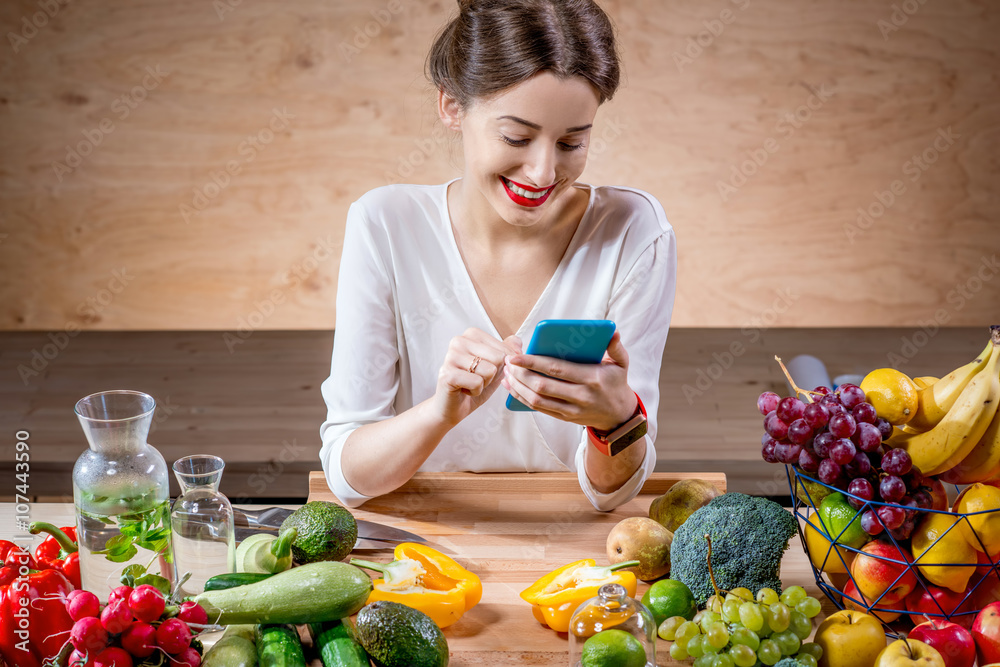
(364, 375)
(641, 308)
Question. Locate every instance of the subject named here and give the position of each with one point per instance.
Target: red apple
(986, 582)
(986, 632)
(939, 497)
(881, 612)
(880, 569)
(953, 642)
(934, 602)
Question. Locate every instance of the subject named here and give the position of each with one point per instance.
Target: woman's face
(525, 147)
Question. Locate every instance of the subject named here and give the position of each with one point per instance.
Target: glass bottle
(121, 492)
(613, 609)
(204, 533)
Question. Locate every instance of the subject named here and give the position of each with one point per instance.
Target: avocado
(326, 531)
(395, 635)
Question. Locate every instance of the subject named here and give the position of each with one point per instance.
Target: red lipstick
(525, 201)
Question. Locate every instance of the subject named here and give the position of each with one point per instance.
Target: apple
(952, 641)
(933, 602)
(985, 582)
(986, 632)
(939, 497)
(909, 653)
(850, 638)
(881, 612)
(878, 577)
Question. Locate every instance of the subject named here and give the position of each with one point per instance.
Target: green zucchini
(315, 592)
(264, 552)
(221, 582)
(336, 646)
(235, 649)
(279, 646)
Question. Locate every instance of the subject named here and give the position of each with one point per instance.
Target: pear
(644, 540)
(682, 499)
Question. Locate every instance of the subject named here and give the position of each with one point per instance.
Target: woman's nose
(541, 166)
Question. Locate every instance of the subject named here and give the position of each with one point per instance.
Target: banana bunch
(955, 432)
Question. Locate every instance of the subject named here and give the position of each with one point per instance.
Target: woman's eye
(570, 147)
(513, 142)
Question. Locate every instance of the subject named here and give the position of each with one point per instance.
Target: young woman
(440, 285)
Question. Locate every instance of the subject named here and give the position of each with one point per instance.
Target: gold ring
(475, 364)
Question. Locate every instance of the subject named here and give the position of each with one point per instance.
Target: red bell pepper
(58, 551)
(34, 623)
(12, 559)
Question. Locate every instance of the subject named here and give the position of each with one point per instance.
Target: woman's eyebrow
(536, 126)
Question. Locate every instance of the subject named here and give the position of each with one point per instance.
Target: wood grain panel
(262, 249)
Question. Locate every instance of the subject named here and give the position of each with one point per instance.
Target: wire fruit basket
(832, 561)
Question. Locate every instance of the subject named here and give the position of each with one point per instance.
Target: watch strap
(618, 439)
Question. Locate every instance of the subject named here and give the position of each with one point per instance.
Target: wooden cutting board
(510, 529)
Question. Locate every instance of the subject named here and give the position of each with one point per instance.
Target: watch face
(627, 439)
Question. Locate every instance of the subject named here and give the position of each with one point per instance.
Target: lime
(669, 597)
(613, 648)
(841, 522)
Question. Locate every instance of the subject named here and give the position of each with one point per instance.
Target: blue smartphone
(579, 341)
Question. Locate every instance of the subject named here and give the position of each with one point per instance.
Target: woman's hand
(594, 395)
(472, 370)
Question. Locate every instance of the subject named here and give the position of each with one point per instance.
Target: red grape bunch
(838, 439)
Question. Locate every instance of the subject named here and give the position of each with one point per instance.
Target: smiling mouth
(524, 195)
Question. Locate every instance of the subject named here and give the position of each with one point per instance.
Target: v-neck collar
(552, 280)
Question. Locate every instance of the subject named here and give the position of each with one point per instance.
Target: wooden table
(510, 529)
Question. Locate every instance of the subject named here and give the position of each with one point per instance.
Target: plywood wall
(187, 164)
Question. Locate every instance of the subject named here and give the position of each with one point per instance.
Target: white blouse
(404, 293)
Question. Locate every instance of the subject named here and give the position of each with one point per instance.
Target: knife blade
(272, 517)
(243, 532)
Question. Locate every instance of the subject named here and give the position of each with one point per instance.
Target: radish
(78, 659)
(192, 612)
(139, 639)
(147, 603)
(116, 616)
(121, 592)
(113, 657)
(82, 605)
(173, 635)
(186, 658)
(88, 635)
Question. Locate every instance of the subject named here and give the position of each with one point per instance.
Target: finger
(534, 399)
(463, 381)
(513, 343)
(616, 350)
(556, 368)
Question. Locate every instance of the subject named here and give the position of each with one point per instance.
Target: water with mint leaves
(121, 492)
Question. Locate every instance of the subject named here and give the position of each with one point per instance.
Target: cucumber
(336, 646)
(279, 646)
(263, 552)
(234, 649)
(221, 582)
(322, 591)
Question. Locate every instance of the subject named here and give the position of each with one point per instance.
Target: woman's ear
(449, 111)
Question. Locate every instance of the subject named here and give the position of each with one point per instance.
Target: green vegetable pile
(749, 536)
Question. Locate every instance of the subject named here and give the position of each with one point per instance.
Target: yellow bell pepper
(556, 596)
(426, 580)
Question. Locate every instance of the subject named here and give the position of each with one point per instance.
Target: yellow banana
(925, 381)
(954, 437)
(935, 400)
(983, 462)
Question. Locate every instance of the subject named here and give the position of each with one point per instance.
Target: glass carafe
(610, 614)
(121, 492)
(204, 535)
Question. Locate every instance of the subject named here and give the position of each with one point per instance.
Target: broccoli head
(749, 536)
(788, 662)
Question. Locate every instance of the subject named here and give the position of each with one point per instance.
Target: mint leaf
(119, 549)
